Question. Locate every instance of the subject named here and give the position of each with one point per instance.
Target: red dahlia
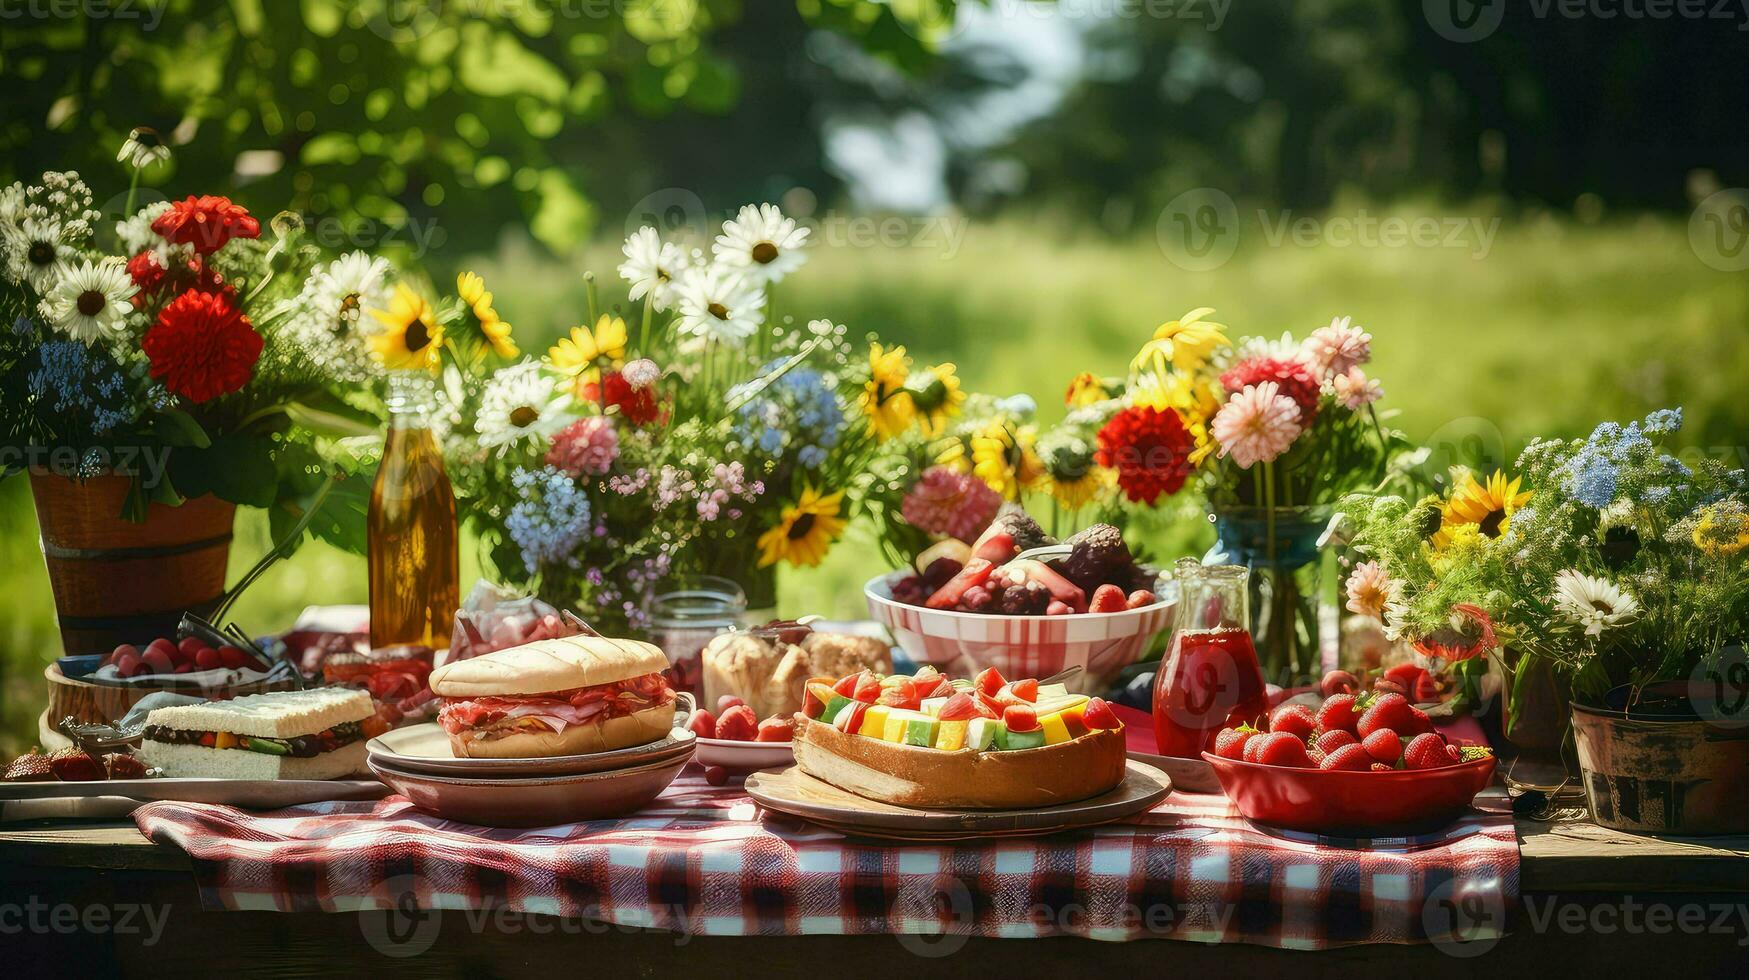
(638, 405)
(206, 223)
(202, 346)
(147, 273)
(1149, 449)
(1295, 379)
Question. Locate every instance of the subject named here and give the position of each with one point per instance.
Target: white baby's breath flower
(520, 402)
(762, 243)
(1594, 603)
(135, 231)
(142, 148)
(652, 266)
(345, 287)
(90, 300)
(717, 302)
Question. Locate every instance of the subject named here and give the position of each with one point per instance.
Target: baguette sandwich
(314, 734)
(571, 695)
(987, 744)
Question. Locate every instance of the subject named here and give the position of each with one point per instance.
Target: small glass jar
(685, 615)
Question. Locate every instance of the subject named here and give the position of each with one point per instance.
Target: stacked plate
(418, 763)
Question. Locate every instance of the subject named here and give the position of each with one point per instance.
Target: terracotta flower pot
(116, 581)
(1649, 772)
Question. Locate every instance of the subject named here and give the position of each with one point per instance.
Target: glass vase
(1282, 548)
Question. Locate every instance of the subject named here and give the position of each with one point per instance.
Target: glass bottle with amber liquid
(414, 565)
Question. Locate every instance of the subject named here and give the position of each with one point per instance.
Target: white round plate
(731, 754)
(426, 749)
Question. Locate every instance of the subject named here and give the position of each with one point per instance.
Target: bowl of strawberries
(1026, 604)
(1358, 764)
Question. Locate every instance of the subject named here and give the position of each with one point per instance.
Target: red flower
(206, 223)
(1295, 379)
(1149, 449)
(147, 273)
(1469, 634)
(202, 346)
(638, 405)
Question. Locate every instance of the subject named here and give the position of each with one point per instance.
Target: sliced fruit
(835, 706)
(996, 545)
(874, 721)
(738, 724)
(868, 689)
(950, 548)
(982, 733)
(960, 707)
(1020, 718)
(1140, 598)
(976, 573)
(1009, 740)
(1056, 731)
(950, 736)
(932, 706)
(1060, 588)
(1098, 715)
(901, 695)
(776, 730)
(989, 681)
(1106, 599)
(1025, 690)
(726, 702)
(851, 718)
(814, 698)
(702, 723)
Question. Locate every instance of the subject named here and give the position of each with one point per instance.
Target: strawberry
(988, 681)
(726, 702)
(901, 695)
(738, 724)
(1419, 723)
(1282, 749)
(1295, 719)
(207, 659)
(776, 730)
(1383, 686)
(1338, 712)
(1020, 718)
(1252, 745)
(1427, 751)
(1406, 675)
(1140, 598)
(236, 658)
(1099, 716)
(1390, 711)
(1231, 742)
(1384, 745)
(1348, 758)
(186, 649)
(1331, 741)
(1338, 682)
(1025, 690)
(960, 707)
(1106, 599)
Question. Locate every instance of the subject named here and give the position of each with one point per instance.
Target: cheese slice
(874, 723)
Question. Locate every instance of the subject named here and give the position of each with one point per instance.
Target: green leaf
(238, 468)
(327, 415)
(175, 427)
(342, 522)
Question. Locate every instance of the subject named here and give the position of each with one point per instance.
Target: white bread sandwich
(567, 696)
(314, 734)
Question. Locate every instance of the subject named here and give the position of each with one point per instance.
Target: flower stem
(133, 185)
(589, 289)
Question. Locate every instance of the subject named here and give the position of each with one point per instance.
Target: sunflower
(1723, 530)
(1003, 457)
(579, 355)
(1087, 389)
(472, 289)
(1488, 506)
(1184, 344)
(410, 336)
(937, 396)
(808, 527)
(885, 400)
(1072, 475)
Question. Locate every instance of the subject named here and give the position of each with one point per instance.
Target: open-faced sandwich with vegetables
(985, 743)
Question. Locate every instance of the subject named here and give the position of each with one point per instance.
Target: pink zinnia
(955, 504)
(1295, 379)
(1356, 391)
(1332, 350)
(585, 447)
(1257, 424)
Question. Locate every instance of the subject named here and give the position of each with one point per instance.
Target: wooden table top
(1565, 855)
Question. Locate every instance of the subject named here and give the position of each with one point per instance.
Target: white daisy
(136, 232)
(1396, 618)
(38, 253)
(762, 243)
(345, 287)
(1594, 603)
(90, 300)
(717, 302)
(12, 204)
(143, 148)
(652, 266)
(520, 402)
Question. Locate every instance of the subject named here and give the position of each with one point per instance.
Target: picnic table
(1590, 898)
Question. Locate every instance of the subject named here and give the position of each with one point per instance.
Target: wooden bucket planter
(1663, 775)
(116, 581)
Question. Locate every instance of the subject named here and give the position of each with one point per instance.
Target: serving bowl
(961, 643)
(1351, 803)
(538, 801)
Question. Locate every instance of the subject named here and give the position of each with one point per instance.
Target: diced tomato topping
(1020, 718)
(902, 695)
(960, 707)
(988, 681)
(1099, 715)
(1025, 690)
(868, 689)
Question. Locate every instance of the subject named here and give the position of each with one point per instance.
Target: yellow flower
(1192, 397)
(1087, 389)
(1071, 474)
(885, 400)
(472, 290)
(1184, 344)
(579, 356)
(1003, 458)
(955, 455)
(410, 337)
(1722, 532)
(937, 396)
(807, 529)
(1488, 506)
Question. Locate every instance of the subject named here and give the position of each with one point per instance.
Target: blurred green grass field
(1558, 326)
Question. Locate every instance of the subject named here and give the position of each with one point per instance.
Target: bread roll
(546, 666)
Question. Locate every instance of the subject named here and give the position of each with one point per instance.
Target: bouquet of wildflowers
(1606, 556)
(696, 433)
(178, 346)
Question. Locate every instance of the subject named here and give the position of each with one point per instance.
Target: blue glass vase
(1283, 548)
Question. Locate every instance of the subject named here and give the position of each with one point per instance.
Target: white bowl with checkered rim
(959, 644)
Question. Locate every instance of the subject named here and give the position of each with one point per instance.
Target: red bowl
(1351, 803)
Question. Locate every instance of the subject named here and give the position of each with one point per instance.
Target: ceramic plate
(1188, 775)
(796, 793)
(425, 748)
(251, 794)
(542, 801)
(731, 754)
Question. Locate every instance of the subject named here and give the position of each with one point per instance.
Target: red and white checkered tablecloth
(703, 861)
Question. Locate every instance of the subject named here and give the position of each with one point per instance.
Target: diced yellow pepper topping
(951, 737)
(874, 722)
(1056, 732)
